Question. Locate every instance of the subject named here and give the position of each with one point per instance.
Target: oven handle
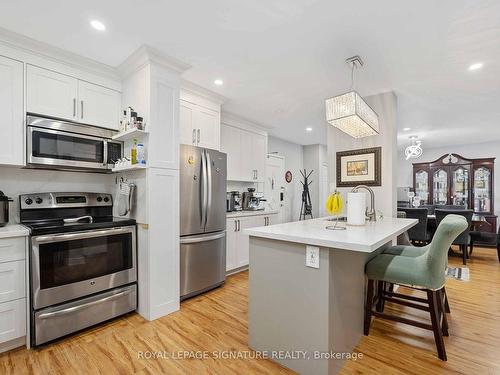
(81, 235)
(73, 309)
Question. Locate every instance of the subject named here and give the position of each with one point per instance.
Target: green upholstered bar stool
(424, 272)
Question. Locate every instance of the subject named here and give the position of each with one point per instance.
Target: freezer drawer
(54, 322)
(203, 263)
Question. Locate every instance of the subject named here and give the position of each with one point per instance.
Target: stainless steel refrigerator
(202, 220)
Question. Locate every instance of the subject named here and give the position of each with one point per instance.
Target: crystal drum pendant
(350, 113)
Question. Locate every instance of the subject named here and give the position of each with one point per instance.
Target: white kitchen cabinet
(12, 289)
(58, 95)
(246, 154)
(11, 107)
(50, 93)
(238, 243)
(200, 126)
(98, 105)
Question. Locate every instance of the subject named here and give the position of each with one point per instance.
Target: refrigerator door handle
(210, 237)
(203, 189)
(208, 211)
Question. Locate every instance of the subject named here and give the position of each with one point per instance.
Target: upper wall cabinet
(246, 153)
(58, 95)
(199, 121)
(11, 107)
(99, 105)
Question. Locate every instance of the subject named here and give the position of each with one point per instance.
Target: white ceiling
(280, 58)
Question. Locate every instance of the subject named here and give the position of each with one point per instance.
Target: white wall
(293, 162)
(471, 151)
(314, 157)
(16, 181)
(385, 105)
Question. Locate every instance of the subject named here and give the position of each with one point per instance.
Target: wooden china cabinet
(453, 179)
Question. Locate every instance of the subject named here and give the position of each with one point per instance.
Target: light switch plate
(312, 256)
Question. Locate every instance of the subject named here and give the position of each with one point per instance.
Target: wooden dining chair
(419, 236)
(486, 237)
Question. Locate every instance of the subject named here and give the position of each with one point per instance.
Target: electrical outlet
(312, 256)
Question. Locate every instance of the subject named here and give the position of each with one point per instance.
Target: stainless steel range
(83, 262)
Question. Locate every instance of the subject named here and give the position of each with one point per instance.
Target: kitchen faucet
(371, 213)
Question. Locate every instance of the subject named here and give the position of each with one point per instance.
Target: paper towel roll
(356, 207)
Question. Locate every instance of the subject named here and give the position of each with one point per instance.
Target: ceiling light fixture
(414, 150)
(309, 129)
(476, 66)
(219, 82)
(406, 129)
(98, 25)
(349, 112)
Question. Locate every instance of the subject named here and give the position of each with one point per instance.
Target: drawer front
(12, 280)
(12, 249)
(12, 320)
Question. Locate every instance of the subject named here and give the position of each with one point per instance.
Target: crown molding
(241, 122)
(146, 54)
(203, 92)
(49, 52)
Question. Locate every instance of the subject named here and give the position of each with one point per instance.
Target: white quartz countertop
(250, 213)
(13, 230)
(366, 238)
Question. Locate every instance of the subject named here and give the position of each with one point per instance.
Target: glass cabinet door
(460, 187)
(440, 187)
(482, 189)
(422, 186)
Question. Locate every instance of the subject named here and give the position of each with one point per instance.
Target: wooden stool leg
(446, 304)
(380, 301)
(464, 254)
(432, 297)
(368, 307)
(442, 313)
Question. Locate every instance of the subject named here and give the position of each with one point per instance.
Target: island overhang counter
(310, 319)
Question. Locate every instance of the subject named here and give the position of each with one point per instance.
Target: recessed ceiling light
(98, 25)
(309, 129)
(219, 82)
(406, 129)
(476, 66)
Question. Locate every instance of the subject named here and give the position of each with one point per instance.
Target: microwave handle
(105, 153)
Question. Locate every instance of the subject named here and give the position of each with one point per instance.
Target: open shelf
(129, 134)
(130, 168)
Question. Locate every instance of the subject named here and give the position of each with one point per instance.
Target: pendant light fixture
(414, 150)
(349, 112)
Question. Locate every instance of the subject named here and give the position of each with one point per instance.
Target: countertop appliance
(56, 144)
(83, 262)
(202, 220)
(252, 201)
(4, 209)
(233, 201)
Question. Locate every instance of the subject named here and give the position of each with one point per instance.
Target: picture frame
(359, 167)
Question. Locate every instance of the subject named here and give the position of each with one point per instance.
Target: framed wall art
(359, 167)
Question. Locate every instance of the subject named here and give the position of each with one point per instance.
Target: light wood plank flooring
(217, 321)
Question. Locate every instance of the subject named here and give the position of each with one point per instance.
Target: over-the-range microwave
(57, 144)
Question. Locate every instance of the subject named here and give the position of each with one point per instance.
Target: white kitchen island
(310, 319)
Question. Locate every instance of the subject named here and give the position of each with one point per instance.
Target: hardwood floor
(217, 321)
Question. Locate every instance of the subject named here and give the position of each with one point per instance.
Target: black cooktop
(59, 226)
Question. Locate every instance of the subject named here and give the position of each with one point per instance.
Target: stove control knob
(99, 199)
(38, 200)
(28, 201)
(106, 199)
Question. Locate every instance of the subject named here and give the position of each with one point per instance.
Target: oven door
(59, 148)
(73, 265)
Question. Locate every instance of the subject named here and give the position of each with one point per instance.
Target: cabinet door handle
(81, 107)
(239, 226)
(236, 225)
(74, 107)
(198, 136)
(256, 174)
(194, 136)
